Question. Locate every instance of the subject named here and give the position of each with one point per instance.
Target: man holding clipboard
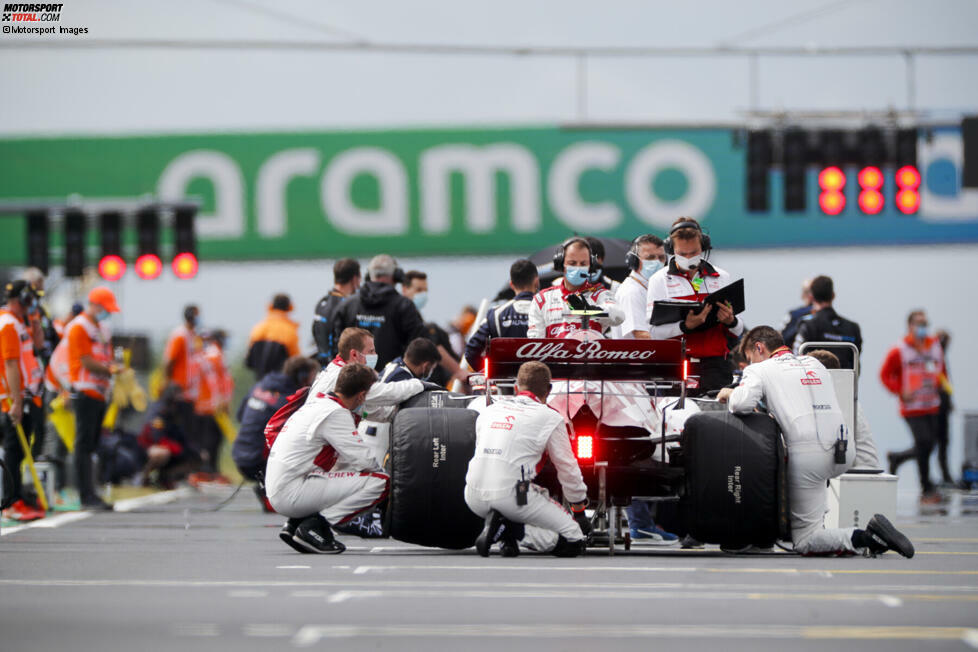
(698, 301)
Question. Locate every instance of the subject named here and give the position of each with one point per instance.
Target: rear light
(585, 447)
(685, 369)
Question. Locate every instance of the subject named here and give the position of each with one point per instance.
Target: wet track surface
(177, 577)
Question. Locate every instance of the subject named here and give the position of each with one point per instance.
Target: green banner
(422, 192)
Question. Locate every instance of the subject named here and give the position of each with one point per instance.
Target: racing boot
(288, 531)
(565, 548)
(491, 533)
(314, 535)
(880, 536)
(509, 544)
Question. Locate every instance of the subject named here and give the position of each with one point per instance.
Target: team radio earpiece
(704, 238)
(559, 255)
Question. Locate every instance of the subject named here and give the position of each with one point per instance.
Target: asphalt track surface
(177, 577)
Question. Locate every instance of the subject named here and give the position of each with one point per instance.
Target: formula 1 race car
(725, 473)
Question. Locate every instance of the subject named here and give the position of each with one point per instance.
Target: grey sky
(139, 90)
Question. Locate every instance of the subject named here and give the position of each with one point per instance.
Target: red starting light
(185, 265)
(148, 266)
(871, 201)
(831, 178)
(870, 178)
(908, 201)
(908, 178)
(111, 267)
(832, 202)
(585, 447)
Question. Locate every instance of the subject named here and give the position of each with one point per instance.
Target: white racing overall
(799, 394)
(512, 435)
(319, 463)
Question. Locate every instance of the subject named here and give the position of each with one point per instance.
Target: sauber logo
(571, 351)
(811, 378)
(503, 425)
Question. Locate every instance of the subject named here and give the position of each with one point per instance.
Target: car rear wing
(657, 362)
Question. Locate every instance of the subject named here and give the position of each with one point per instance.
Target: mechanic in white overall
(799, 394)
(511, 437)
(320, 472)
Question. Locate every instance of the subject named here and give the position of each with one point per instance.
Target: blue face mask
(576, 275)
(920, 332)
(420, 300)
(650, 267)
(102, 315)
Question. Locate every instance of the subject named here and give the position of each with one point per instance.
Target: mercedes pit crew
(511, 436)
(549, 313)
(799, 394)
(320, 471)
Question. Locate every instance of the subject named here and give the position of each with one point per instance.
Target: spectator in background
(346, 281)
(510, 319)
(262, 401)
(168, 455)
(216, 387)
(913, 370)
(274, 339)
(90, 368)
(789, 329)
(824, 324)
(379, 308)
(20, 382)
(944, 414)
(459, 328)
(415, 287)
(45, 337)
(180, 366)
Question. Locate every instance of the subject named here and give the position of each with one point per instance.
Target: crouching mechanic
(320, 472)
(799, 394)
(511, 436)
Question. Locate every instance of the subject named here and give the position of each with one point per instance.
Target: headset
(705, 242)
(24, 294)
(559, 254)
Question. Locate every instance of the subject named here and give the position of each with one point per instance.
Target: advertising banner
(281, 196)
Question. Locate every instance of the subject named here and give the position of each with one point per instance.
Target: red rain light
(831, 178)
(185, 265)
(832, 202)
(148, 266)
(908, 178)
(585, 447)
(870, 178)
(908, 201)
(871, 201)
(685, 370)
(111, 267)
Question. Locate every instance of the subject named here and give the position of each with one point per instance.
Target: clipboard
(668, 311)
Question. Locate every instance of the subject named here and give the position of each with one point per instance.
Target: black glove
(584, 522)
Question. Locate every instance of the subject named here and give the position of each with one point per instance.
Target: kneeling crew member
(320, 472)
(799, 394)
(511, 436)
